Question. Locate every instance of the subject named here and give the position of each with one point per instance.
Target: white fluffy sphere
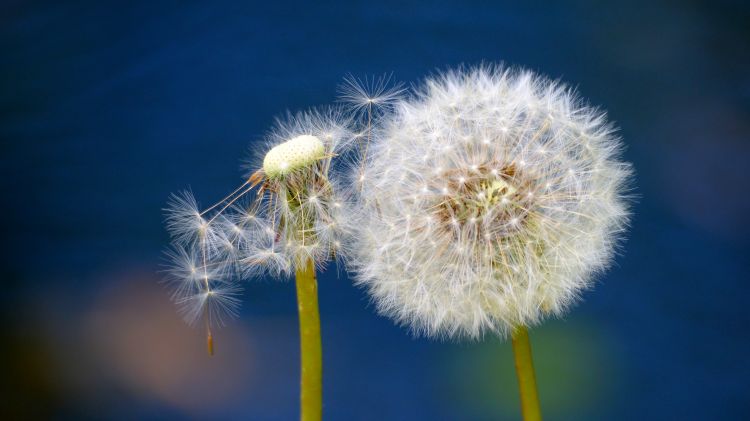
(489, 199)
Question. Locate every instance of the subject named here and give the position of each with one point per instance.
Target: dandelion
(286, 217)
(490, 199)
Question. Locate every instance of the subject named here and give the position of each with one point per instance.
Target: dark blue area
(107, 108)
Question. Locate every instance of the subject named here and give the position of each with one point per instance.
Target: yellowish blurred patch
(131, 342)
(578, 367)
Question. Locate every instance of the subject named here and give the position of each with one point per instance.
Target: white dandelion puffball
(489, 200)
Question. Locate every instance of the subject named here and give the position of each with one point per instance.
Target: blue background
(106, 108)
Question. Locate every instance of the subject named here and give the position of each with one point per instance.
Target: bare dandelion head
(489, 200)
(285, 213)
(294, 154)
(299, 189)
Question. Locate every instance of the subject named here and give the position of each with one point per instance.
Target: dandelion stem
(311, 355)
(526, 378)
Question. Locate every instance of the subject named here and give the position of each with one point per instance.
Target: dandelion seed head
(523, 223)
(293, 216)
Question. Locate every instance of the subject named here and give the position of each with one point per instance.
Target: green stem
(311, 354)
(525, 372)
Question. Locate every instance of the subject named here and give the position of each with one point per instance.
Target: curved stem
(526, 378)
(311, 355)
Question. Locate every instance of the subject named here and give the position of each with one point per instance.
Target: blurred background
(107, 108)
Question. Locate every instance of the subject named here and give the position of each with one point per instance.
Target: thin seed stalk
(530, 409)
(311, 354)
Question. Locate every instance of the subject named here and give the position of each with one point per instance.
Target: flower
(294, 215)
(489, 200)
(302, 200)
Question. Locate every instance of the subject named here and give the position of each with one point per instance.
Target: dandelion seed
(369, 92)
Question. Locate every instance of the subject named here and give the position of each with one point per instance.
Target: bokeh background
(107, 107)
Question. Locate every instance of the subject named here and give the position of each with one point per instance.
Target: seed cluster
(488, 201)
(285, 214)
